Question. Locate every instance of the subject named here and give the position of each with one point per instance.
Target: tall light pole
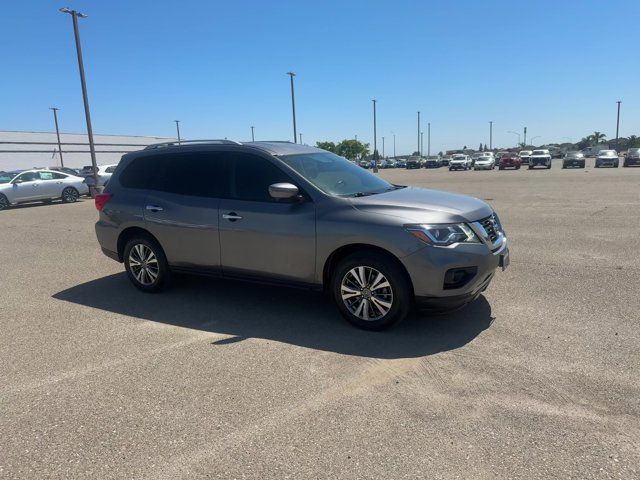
(617, 124)
(421, 143)
(293, 106)
(429, 139)
(394, 146)
(253, 137)
(525, 136)
(55, 119)
(533, 138)
(375, 133)
(382, 147)
(300, 135)
(178, 131)
(490, 135)
(419, 151)
(515, 133)
(74, 15)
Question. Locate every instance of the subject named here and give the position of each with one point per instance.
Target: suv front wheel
(146, 264)
(371, 290)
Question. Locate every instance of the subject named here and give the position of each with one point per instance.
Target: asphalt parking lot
(537, 379)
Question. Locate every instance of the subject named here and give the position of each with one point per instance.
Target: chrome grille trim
(490, 231)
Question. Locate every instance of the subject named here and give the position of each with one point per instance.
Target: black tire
(500, 168)
(401, 292)
(617, 165)
(70, 195)
(530, 167)
(4, 202)
(162, 271)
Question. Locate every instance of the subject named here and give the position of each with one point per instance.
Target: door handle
(231, 216)
(154, 208)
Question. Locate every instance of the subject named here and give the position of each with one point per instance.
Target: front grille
(492, 226)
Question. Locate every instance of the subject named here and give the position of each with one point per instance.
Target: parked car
(413, 162)
(460, 161)
(509, 160)
(104, 174)
(573, 159)
(294, 214)
(632, 158)
(485, 161)
(607, 158)
(387, 163)
(524, 156)
(445, 160)
(365, 164)
(401, 164)
(39, 186)
(432, 162)
(540, 158)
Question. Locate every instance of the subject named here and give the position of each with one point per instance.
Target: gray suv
(292, 214)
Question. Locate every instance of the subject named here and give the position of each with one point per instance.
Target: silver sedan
(39, 186)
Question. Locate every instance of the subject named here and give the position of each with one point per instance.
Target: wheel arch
(342, 252)
(129, 233)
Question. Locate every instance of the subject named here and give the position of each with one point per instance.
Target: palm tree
(597, 137)
(633, 141)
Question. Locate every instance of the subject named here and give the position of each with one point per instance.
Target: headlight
(443, 235)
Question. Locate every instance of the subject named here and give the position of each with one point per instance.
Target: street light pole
(421, 143)
(178, 131)
(382, 147)
(74, 15)
(375, 133)
(394, 146)
(253, 138)
(55, 119)
(618, 124)
(525, 136)
(293, 106)
(490, 135)
(515, 133)
(300, 134)
(419, 151)
(532, 139)
(429, 139)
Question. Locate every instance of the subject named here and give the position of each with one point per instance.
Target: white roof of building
(29, 153)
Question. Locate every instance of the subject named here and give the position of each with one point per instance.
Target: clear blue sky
(557, 67)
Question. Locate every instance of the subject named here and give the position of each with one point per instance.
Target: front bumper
(632, 162)
(536, 162)
(428, 266)
(573, 163)
(483, 166)
(458, 166)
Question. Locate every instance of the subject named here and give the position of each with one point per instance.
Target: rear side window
(141, 172)
(251, 176)
(195, 174)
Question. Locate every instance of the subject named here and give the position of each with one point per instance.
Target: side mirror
(283, 191)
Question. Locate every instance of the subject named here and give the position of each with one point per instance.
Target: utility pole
(178, 131)
(491, 135)
(525, 136)
(293, 106)
(85, 98)
(375, 133)
(55, 119)
(429, 139)
(382, 147)
(421, 143)
(300, 134)
(617, 124)
(419, 151)
(253, 138)
(394, 146)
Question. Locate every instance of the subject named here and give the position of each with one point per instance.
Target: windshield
(525, 152)
(607, 153)
(336, 175)
(6, 177)
(540, 152)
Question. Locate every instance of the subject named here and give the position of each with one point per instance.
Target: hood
(421, 205)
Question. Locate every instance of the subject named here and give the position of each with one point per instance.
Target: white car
(486, 161)
(540, 158)
(607, 158)
(104, 174)
(460, 162)
(39, 186)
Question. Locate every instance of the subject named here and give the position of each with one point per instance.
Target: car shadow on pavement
(298, 317)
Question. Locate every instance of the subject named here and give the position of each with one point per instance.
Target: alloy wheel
(4, 203)
(143, 264)
(366, 293)
(70, 195)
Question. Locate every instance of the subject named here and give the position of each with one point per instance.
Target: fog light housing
(458, 277)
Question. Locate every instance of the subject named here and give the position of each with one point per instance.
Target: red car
(510, 160)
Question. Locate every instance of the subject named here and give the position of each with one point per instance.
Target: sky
(556, 67)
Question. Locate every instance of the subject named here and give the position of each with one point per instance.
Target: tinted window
(110, 169)
(141, 171)
(196, 174)
(251, 177)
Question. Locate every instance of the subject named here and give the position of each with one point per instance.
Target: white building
(20, 150)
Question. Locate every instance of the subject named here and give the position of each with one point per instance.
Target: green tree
(329, 146)
(352, 149)
(633, 142)
(415, 154)
(480, 147)
(597, 137)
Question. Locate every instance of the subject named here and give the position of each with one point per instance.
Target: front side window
(335, 175)
(6, 177)
(28, 176)
(251, 176)
(52, 176)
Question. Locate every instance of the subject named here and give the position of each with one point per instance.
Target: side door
(261, 236)
(181, 209)
(51, 184)
(25, 187)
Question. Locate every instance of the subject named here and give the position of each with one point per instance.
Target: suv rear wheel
(146, 264)
(371, 290)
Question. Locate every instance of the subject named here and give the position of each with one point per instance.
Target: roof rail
(182, 142)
